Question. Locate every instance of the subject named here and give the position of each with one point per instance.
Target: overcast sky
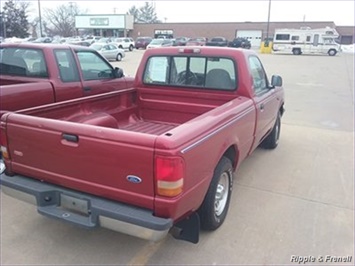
(341, 12)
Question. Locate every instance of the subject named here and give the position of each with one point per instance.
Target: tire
(131, 48)
(214, 208)
(2, 166)
(296, 51)
(118, 57)
(272, 140)
(121, 47)
(332, 52)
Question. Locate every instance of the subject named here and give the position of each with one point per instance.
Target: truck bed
(149, 127)
(144, 112)
(122, 127)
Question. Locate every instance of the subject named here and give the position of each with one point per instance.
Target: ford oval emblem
(134, 179)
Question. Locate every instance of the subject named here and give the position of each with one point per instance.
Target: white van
(306, 41)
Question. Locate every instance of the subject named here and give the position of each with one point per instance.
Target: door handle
(70, 137)
(87, 88)
(261, 107)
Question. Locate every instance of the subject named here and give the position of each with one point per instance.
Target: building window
(282, 37)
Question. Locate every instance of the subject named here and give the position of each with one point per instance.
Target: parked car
(93, 39)
(200, 41)
(142, 42)
(240, 43)
(217, 41)
(109, 50)
(124, 43)
(43, 40)
(160, 43)
(105, 40)
(34, 74)
(81, 43)
(181, 41)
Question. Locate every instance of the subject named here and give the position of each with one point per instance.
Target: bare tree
(61, 21)
(134, 11)
(144, 14)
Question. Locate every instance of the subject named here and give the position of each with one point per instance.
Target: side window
(295, 38)
(112, 47)
(258, 75)
(23, 62)
(67, 66)
(157, 70)
(36, 63)
(93, 67)
(282, 37)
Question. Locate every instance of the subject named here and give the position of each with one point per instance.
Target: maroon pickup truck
(155, 158)
(36, 74)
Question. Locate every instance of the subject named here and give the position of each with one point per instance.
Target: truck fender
(231, 151)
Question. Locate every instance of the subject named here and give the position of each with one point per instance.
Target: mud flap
(187, 229)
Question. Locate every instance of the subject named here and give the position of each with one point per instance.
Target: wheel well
(282, 109)
(231, 154)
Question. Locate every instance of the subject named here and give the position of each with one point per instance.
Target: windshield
(329, 40)
(97, 47)
(157, 41)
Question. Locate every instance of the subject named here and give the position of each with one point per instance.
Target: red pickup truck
(155, 158)
(36, 74)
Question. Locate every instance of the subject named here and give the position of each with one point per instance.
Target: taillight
(3, 141)
(169, 175)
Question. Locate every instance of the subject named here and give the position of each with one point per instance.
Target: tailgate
(102, 161)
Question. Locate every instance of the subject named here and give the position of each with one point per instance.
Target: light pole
(268, 25)
(40, 18)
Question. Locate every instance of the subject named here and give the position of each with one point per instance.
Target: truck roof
(200, 51)
(45, 46)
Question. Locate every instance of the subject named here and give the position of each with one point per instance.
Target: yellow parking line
(144, 254)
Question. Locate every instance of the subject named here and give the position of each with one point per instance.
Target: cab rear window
(191, 71)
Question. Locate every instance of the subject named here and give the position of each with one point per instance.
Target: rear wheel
(214, 208)
(332, 52)
(131, 48)
(272, 140)
(2, 166)
(296, 51)
(119, 57)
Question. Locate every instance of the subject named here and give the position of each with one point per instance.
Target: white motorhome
(306, 41)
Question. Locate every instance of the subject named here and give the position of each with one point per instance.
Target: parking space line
(144, 254)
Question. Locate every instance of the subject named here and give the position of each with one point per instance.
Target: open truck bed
(122, 127)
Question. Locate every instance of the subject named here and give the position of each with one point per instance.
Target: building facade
(256, 32)
(105, 25)
(122, 26)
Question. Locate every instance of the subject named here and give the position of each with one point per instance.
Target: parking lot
(290, 204)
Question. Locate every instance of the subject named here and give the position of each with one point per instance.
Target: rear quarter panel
(25, 95)
(202, 142)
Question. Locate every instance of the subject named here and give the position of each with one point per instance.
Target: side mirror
(118, 72)
(276, 81)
